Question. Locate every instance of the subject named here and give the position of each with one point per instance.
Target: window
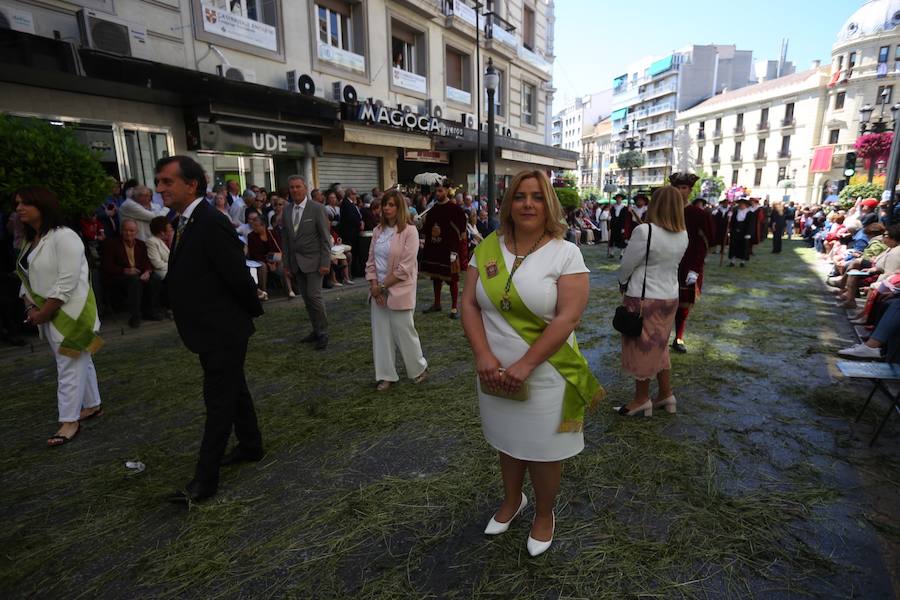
(740, 121)
(833, 136)
(408, 58)
(734, 177)
(785, 146)
(789, 112)
(335, 26)
(840, 63)
(459, 76)
(702, 126)
(499, 95)
(839, 100)
(851, 62)
(528, 28)
(715, 157)
(700, 155)
(761, 149)
(715, 173)
(256, 10)
(528, 104)
(897, 58)
(719, 124)
(737, 150)
(885, 93)
(757, 178)
(782, 173)
(764, 116)
(883, 54)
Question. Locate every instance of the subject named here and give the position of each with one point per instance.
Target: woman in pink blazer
(392, 272)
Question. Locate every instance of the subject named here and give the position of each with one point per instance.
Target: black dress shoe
(679, 347)
(431, 309)
(193, 492)
(239, 455)
(321, 342)
(454, 315)
(310, 338)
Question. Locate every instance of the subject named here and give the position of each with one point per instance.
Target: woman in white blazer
(647, 356)
(58, 299)
(158, 246)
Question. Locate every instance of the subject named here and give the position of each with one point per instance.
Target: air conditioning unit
(302, 83)
(235, 73)
(100, 31)
(467, 120)
(434, 109)
(341, 92)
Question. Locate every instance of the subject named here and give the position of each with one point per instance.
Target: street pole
(630, 173)
(491, 79)
(478, 6)
(893, 166)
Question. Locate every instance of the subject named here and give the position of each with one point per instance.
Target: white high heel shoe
(646, 408)
(495, 527)
(536, 547)
(666, 403)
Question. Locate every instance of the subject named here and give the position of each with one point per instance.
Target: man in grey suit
(307, 254)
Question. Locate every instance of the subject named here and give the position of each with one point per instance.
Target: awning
(383, 137)
(663, 64)
(620, 80)
(619, 114)
(821, 160)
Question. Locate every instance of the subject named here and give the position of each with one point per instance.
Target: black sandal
(97, 413)
(58, 440)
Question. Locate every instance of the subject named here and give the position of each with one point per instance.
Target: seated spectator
(341, 257)
(127, 268)
(885, 336)
(883, 265)
(139, 208)
(472, 232)
(485, 227)
(158, 246)
(220, 203)
(264, 247)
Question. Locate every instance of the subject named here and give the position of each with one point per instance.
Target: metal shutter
(360, 172)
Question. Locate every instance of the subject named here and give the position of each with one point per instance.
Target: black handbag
(626, 322)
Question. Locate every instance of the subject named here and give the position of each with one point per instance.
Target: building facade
(760, 136)
(865, 70)
(648, 95)
(595, 155)
(365, 92)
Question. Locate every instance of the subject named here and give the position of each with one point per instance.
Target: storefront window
(246, 170)
(143, 149)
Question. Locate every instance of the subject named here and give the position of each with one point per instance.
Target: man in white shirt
(236, 205)
(140, 209)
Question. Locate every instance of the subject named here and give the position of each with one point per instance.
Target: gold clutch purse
(520, 395)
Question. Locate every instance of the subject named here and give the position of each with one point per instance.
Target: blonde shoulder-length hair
(667, 209)
(555, 224)
(402, 212)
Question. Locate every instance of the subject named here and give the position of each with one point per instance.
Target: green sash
(78, 334)
(582, 391)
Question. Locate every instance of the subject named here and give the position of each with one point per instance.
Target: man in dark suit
(350, 226)
(306, 241)
(214, 300)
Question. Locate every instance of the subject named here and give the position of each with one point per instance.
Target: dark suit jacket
(351, 217)
(114, 259)
(212, 294)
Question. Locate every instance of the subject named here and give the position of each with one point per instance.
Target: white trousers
(76, 381)
(392, 329)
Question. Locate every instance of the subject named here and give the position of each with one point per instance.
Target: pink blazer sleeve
(370, 262)
(406, 265)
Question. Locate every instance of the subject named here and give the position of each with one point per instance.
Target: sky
(595, 40)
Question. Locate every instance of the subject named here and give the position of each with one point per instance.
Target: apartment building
(596, 151)
(760, 136)
(648, 95)
(363, 92)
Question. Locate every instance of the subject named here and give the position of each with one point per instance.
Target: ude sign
(248, 140)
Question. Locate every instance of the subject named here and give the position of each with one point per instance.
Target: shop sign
(429, 156)
(409, 81)
(465, 12)
(342, 58)
(461, 96)
(233, 26)
(396, 117)
(246, 140)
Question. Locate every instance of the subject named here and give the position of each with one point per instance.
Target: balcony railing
(701, 135)
(717, 133)
(784, 154)
(788, 122)
(764, 126)
(739, 130)
(654, 92)
(661, 126)
(759, 156)
(736, 158)
(715, 160)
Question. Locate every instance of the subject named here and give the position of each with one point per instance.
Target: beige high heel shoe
(666, 403)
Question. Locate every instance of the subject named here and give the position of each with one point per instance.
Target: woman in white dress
(526, 289)
(603, 223)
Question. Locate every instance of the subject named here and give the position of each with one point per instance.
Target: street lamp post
(879, 126)
(893, 166)
(631, 143)
(491, 82)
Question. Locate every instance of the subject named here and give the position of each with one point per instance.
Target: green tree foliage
(568, 197)
(714, 186)
(631, 160)
(37, 153)
(851, 192)
(592, 191)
